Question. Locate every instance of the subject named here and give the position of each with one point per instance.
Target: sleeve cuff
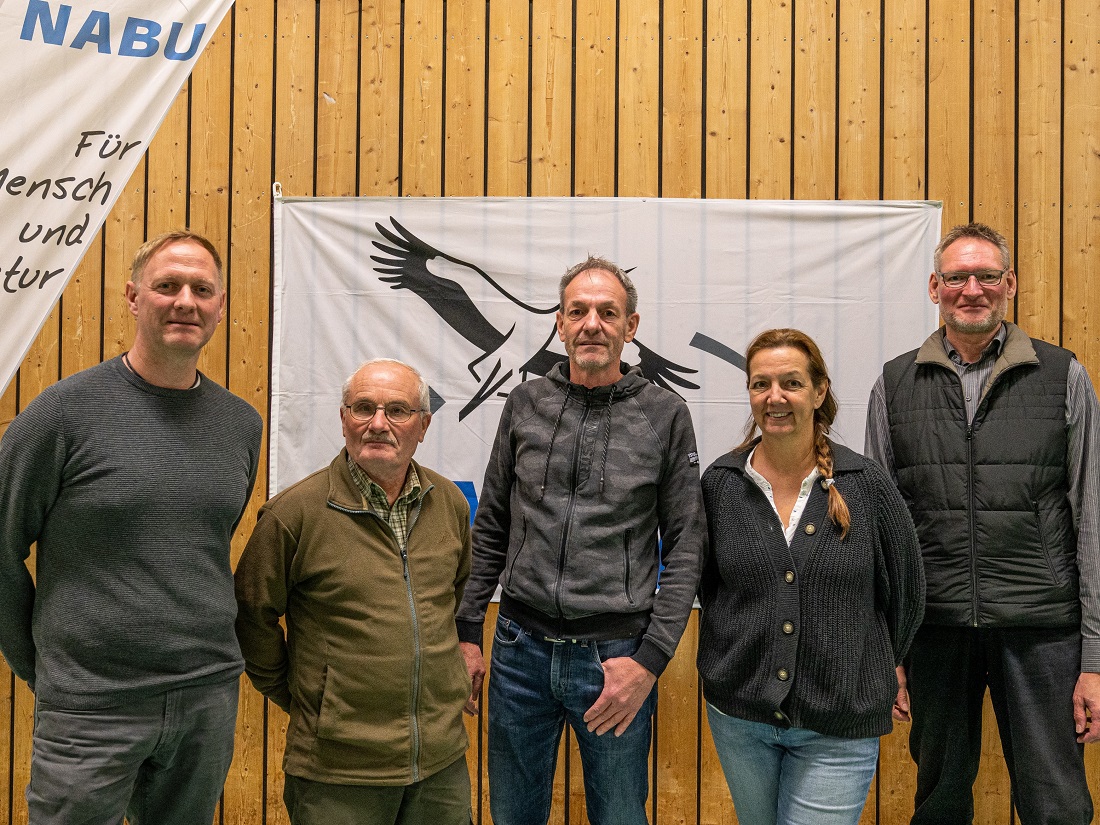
(651, 657)
(470, 632)
(1090, 655)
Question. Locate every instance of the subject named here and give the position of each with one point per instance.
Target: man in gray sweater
(131, 477)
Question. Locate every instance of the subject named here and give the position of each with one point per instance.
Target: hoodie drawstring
(550, 449)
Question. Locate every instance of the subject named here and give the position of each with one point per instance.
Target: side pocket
(515, 556)
(1044, 546)
(626, 566)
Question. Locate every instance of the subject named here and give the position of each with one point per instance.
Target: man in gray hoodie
(592, 488)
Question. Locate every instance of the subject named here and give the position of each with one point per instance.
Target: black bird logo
(407, 262)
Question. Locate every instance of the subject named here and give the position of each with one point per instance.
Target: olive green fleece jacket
(369, 668)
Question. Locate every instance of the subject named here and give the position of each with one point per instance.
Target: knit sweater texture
(808, 635)
(132, 492)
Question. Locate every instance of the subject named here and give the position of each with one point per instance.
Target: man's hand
(901, 703)
(626, 684)
(1086, 707)
(475, 666)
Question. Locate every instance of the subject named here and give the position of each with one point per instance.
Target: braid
(838, 508)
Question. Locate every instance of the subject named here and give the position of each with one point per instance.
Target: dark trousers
(1031, 674)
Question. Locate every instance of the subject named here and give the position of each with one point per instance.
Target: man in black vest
(994, 441)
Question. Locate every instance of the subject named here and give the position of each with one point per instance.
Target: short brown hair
(154, 245)
(974, 230)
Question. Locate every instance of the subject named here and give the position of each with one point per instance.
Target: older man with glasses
(367, 560)
(994, 440)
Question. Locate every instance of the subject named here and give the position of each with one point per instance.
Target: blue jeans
(535, 686)
(792, 775)
(160, 761)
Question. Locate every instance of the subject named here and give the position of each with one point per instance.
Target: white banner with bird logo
(466, 291)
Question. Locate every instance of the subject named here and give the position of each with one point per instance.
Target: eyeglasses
(986, 277)
(395, 411)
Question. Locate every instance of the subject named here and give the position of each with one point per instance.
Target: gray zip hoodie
(580, 485)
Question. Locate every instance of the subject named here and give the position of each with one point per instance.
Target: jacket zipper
(414, 515)
(971, 523)
(414, 698)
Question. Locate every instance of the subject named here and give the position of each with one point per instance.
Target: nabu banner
(466, 290)
(84, 87)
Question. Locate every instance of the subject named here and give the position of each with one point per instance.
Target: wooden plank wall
(991, 107)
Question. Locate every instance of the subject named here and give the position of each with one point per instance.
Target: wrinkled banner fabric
(466, 289)
(84, 87)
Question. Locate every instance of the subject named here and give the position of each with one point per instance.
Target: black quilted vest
(988, 500)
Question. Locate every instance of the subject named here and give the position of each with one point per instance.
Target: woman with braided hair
(811, 592)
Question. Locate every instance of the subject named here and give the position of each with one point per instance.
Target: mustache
(379, 439)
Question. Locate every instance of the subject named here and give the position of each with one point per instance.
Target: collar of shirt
(799, 504)
(992, 350)
(377, 497)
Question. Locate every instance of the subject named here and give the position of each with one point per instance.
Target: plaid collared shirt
(397, 516)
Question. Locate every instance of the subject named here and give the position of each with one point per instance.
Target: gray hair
(424, 399)
(594, 262)
(974, 230)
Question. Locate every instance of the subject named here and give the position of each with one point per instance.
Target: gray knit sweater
(808, 635)
(132, 493)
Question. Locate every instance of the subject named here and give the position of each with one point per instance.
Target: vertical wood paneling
(464, 144)
(858, 117)
(208, 167)
(770, 82)
(727, 114)
(168, 161)
(1038, 167)
(681, 144)
(904, 81)
(293, 83)
(815, 100)
(639, 98)
(509, 42)
(551, 97)
(722, 98)
(949, 109)
(594, 115)
(1081, 228)
(422, 98)
(337, 97)
(380, 130)
(994, 142)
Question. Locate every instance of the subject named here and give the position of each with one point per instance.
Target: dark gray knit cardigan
(808, 635)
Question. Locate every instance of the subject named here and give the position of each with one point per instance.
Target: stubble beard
(982, 327)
